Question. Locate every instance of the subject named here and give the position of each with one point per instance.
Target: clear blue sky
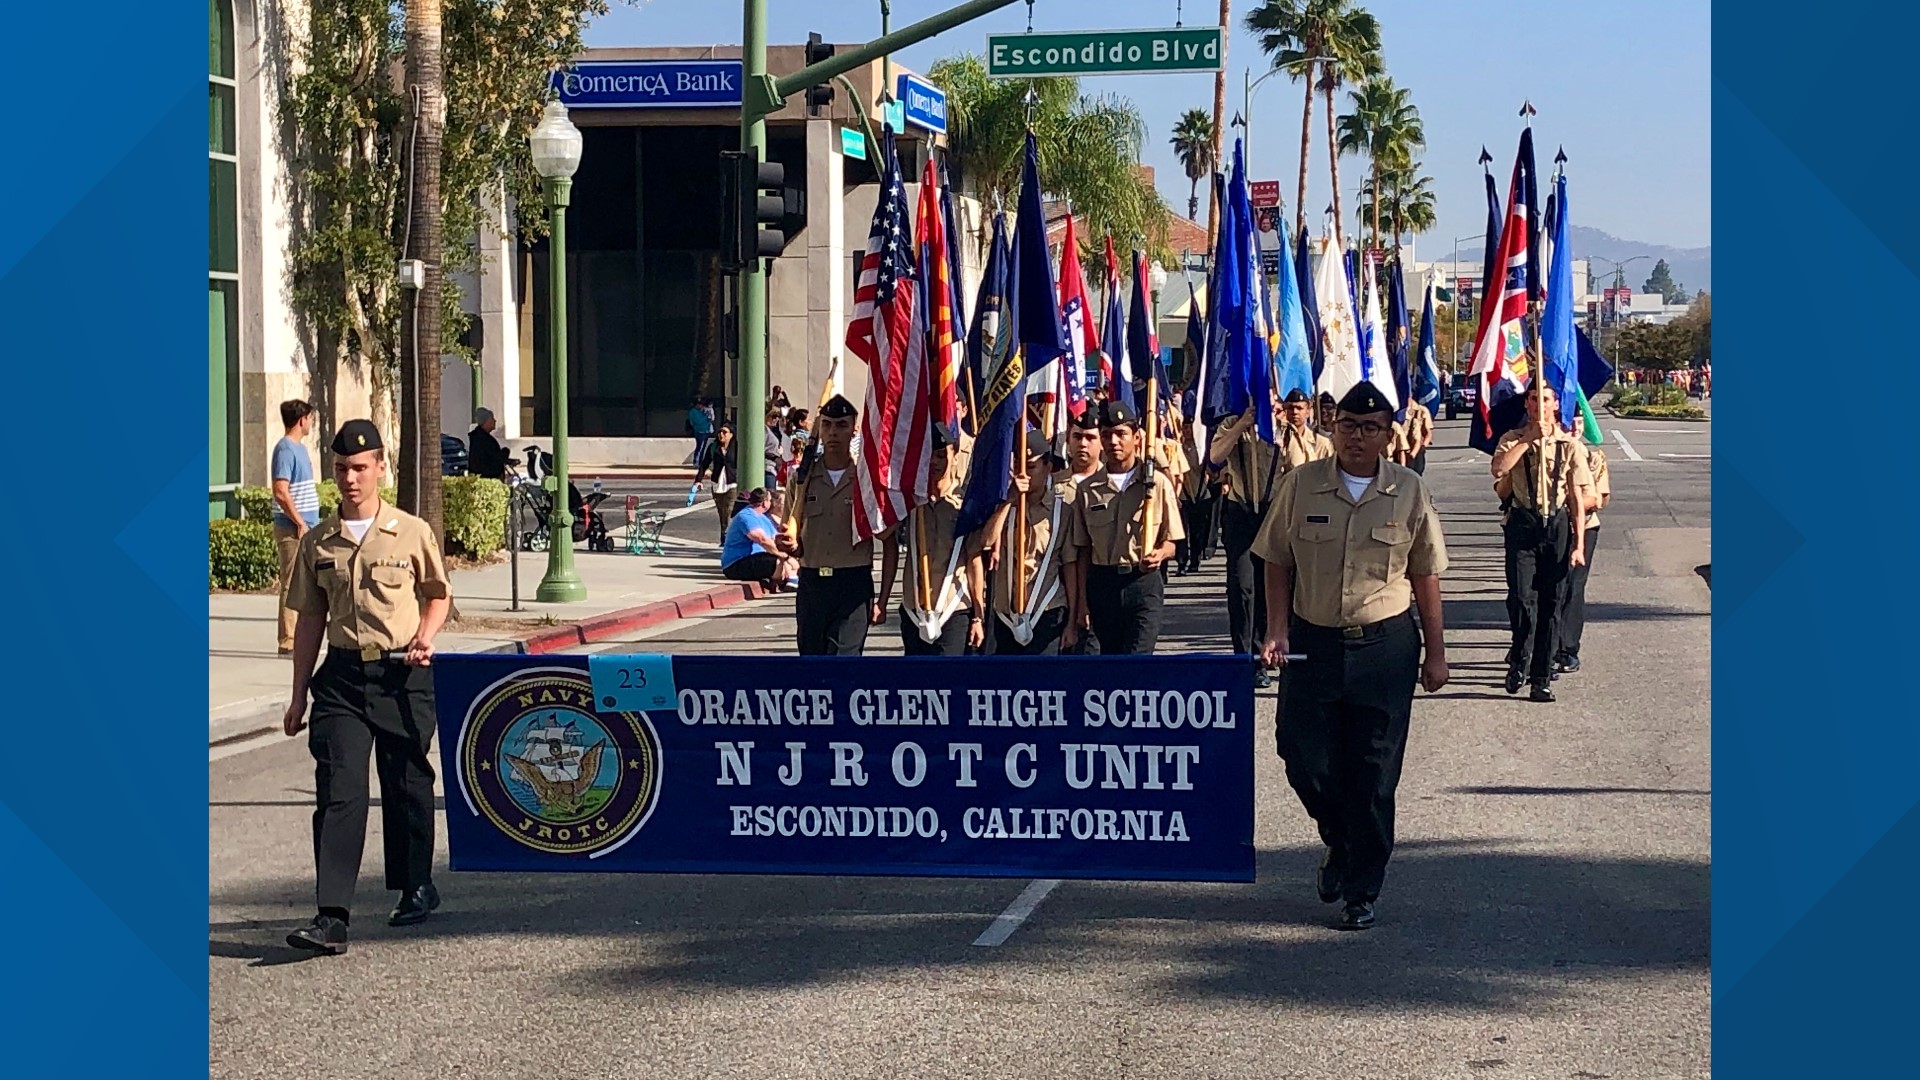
(1622, 85)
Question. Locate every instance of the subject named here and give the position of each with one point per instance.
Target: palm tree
(1339, 41)
(1406, 205)
(1089, 148)
(1385, 125)
(1193, 145)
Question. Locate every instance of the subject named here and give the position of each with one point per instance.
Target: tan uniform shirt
(1299, 447)
(1044, 545)
(825, 512)
(370, 590)
(1352, 561)
(1253, 467)
(1570, 475)
(932, 521)
(1413, 433)
(962, 461)
(1112, 522)
(1602, 483)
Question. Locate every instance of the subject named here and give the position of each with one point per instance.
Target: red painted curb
(626, 620)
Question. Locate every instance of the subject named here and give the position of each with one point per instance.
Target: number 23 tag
(639, 682)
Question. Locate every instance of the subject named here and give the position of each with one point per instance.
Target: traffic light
(819, 95)
(761, 209)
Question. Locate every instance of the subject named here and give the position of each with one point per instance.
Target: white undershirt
(357, 526)
(1356, 485)
(834, 475)
(1120, 480)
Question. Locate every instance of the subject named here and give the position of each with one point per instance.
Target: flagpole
(1539, 366)
(1019, 566)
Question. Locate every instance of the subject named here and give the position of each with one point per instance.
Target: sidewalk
(248, 681)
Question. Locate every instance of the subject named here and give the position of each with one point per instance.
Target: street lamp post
(1619, 282)
(1453, 361)
(556, 155)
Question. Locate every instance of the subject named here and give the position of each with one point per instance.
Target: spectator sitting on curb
(749, 553)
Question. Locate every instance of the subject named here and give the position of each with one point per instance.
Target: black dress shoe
(1567, 664)
(415, 905)
(1262, 680)
(325, 934)
(1515, 677)
(1357, 915)
(1541, 692)
(1327, 879)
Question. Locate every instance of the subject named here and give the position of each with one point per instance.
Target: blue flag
(953, 253)
(1143, 349)
(1113, 338)
(1247, 357)
(989, 322)
(1294, 364)
(1559, 351)
(1213, 403)
(1195, 346)
(1309, 304)
(1489, 262)
(1595, 372)
(1399, 341)
(1426, 373)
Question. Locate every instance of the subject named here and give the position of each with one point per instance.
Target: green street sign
(1104, 52)
(896, 117)
(853, 143)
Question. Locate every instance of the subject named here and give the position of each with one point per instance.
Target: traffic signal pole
(761, 94)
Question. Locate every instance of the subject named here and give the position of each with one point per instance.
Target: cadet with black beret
(1029, 594)
(1351, 543)
(1083, 462)
(943, 604)
(1125, 521)
(368, 580)
(835, 603)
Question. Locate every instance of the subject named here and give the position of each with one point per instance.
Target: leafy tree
(1661, 281)
(1299, 35)
(1680, 295)
(1407, 206)
(1386, 127)
(1089, 149)
(1667, 347)
(1193, 145)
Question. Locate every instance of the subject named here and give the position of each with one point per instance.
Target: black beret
(1118, 414)
(1038, 445)
(1088, 419)
(1365, 398)
(357, 437)
(838, 408)
(1297, 394)
(942, 438)
(1326, 398)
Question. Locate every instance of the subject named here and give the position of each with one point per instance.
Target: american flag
(889, 332)
(1499, 348)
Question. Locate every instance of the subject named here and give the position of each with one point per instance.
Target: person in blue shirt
(748, 553)
(296, 501)
(700, 423)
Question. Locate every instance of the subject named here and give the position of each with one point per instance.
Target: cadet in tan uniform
(947, 614)
(1573, 618)
(1412, 436)
(1083, 461)
(1043, 615)
(835, 603)
(370, 581)
(1540, 545)
(1115, 560)
(1350, 544)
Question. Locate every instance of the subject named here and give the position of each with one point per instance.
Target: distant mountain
(1692, 267)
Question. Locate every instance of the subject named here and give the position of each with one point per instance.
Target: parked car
(453, 455)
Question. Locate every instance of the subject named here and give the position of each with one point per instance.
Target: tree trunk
(1306, 145)
(1398, 225)
(1377, 242)
(1193, 197)
(1333, 163)
(419, 479)
(1219, 118)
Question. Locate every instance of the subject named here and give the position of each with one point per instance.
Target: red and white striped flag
(889, 332)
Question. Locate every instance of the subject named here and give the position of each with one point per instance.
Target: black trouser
(1573, 616)
(1342, 730)
(386, 708)
(951, 642)
(1246, 577)
(832, 611)
(1124, 606)
(1419, 463)
(1536, 573)
(1046, 635)
(1200, 516)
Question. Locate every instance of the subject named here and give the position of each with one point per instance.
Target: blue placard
(649, 84)
(638, 682)
(924, 104)
(1103, 767)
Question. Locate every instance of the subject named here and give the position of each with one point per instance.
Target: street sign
(1264, 192)
(925, 104)
(894, 115)
(853, 143)
(1104, 52)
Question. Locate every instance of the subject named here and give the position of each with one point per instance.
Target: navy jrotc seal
(368, 580)
(835, 603)
(1351, 543)
(1126, 519)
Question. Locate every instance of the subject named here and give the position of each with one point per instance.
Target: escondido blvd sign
(649, 84)
(1104, 52)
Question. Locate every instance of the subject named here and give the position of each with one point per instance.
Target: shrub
(241, 555)
(1626, 396)
(256, 503)
(1663, 412)
(1667, 395)
(476, 510)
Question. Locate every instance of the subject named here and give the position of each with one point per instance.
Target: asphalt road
(1546, 913)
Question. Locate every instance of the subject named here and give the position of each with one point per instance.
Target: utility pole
(1220, 119)
(418, 481)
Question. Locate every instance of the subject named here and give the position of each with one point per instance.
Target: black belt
(1363, 632)
(1121, 570)
(830, 571)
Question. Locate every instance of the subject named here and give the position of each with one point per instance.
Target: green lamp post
(556, 154)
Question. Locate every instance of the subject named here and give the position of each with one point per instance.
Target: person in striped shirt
(296, 501)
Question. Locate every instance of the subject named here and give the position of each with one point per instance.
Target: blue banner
(649, 84)
(922, 103)
(1121, 767)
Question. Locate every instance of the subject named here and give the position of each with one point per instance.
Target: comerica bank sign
(649, 84)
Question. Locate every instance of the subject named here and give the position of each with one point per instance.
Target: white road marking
(1005, 923)
(1687, 455)
(1632, 454)
(1675, 430)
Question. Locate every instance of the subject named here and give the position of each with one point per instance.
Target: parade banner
(1095, 767)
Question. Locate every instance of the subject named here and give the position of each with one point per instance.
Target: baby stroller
(532, 495)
